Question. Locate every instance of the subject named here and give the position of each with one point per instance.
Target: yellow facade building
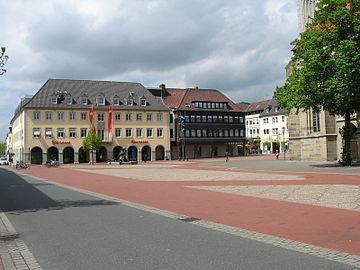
(54, 122)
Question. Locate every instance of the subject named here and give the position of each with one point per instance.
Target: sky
(238, 47)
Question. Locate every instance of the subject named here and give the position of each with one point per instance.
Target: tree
(92, 143)
(3, 60)
(2, 148)
(326, 69)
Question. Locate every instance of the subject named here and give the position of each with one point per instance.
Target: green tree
(92, 143)
(326, 69)
(2, 148)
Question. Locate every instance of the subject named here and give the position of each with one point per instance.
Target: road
(65, 229)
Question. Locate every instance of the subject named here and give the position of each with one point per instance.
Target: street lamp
(3, 60)
(182, 135)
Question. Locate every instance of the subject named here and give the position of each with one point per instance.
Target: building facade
(54, 122)
(204, 123)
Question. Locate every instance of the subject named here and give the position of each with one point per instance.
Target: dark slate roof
(258, 106)
(243, 106)
(78, 88)
(273, 109)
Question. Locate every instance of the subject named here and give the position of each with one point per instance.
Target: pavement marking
(336, 196)
(175, 174)
(329, 254)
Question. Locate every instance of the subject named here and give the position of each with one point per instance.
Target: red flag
(110, 120)
(91, 118)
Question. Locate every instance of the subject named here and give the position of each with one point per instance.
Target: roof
(273, 109)
(91, 89)
(243, 105)
(179, 98)
(258, 106)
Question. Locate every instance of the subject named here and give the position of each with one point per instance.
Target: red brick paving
(326, 227)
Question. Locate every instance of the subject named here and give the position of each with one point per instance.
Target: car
(3, 161)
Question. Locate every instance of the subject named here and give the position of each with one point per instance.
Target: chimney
(196, 87)
(163, 89)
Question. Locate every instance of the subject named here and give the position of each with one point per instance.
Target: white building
(274, 132)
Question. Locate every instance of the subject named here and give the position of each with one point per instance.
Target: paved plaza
(281, 202)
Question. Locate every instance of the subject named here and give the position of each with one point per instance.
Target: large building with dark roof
(204, 123)
(53, 123)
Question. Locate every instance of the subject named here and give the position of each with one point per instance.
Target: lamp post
(182, 135)
(3, 60)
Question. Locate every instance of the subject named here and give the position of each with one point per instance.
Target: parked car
(3, 161)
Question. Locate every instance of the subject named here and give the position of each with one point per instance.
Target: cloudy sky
(238, 47)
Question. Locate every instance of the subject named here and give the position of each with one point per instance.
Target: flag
(91, 118)
(110, 120)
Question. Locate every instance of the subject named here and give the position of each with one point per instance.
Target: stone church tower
(315, 136)
(305, 10)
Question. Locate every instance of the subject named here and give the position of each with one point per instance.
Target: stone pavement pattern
(313, 212)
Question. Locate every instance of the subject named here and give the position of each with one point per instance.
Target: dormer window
(84, 100)
(277, 109)
(69, 100)
(100, 100)
(143, 101)
(54, 100)
(116, 101)
(268, 109)
(130, 99)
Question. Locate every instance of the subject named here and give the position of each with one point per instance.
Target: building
(53, 123)
(315, 135)
(204, 123)
(274, 132)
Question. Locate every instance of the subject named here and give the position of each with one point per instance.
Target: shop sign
(57, 142)
(133, 141)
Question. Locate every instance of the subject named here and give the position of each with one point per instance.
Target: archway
(36, 155)
(146, 153)
(68, 155)
(83, 156)
(132, 153)
(53, 153)
(101, 154)
(160, 152)
(116, 152)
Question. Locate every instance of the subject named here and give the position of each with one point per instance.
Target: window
(128, 117)
(187, 133)
(48, 115)
(138, 116)
(198, 119)
(72, 132)
(117, 132)
(171, 133)
(316, 121)
(83, 100)
(128, 132)
(83, 132)
(36, 115)
(274, 119)
(192, 118)
(139, 132)
(83, 116)
(231, 119)
(237, 132)
(69, 100)
(116, 100)
(101, 133)
(209, 119)
(148, 117)
(204, 118)
(266, 131)
(198, 133)
(159, 117)
(203, 133)
(72, 115)
(149, 132)
(100, 100)
(101, 117)
(60, 115)
(193, 133)
(283, 118)
(196, 104)
(275, 131)
(266, 120)
(143, 101)
(48, 133)
(241, 132)
(53, 99)
(129, 101)
(117, 116)
(241, 119)
(36, 132)
(60, 133)
(160, 132)
(226, 133)
(231, 133)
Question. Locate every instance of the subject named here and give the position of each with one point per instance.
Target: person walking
(227, 156)
(277, 154)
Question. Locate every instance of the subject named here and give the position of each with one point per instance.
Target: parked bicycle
(22, 165)
(51, 163)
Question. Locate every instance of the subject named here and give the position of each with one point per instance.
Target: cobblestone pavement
(308, 211)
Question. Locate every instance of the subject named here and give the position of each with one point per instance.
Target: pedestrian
(277, 154)
(227, 156)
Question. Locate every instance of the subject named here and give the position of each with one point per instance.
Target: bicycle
(22, 165)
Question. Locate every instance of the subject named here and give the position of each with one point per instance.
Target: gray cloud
(239, 47)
